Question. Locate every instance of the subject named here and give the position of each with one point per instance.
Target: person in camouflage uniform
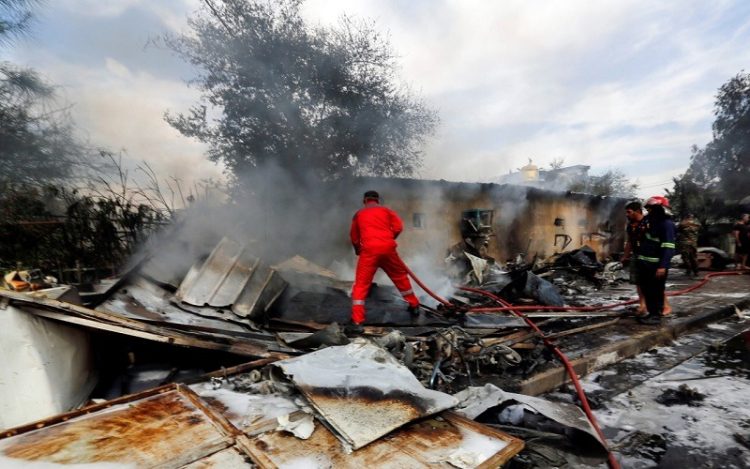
(687, 243)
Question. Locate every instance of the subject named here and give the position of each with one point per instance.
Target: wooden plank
(524, 346)
(233, 370)
(514, 447)
(219, 420)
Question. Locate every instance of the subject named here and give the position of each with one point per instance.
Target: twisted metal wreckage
(405, 395)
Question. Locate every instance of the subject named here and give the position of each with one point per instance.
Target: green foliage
(37, 142)
(690, 196)
(51, 227)
(43, 222)
(718, 175)
(727, 157)
(15, 16)
(309, 99)
(613, 183)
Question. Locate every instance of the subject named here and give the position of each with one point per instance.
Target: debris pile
(28, 280)
(430, 388)
(683, 395)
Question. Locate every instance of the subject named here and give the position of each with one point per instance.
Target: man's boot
(651, 320)
(354, 329)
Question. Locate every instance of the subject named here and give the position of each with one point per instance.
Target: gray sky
(623, 85)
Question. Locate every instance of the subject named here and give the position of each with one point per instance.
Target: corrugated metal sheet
(143, 300)
(361, 391)
(446, 441)
(231, 277)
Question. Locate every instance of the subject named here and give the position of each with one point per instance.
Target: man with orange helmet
(654, 255)
(373, 234)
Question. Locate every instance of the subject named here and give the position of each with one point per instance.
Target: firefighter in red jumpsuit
(373, 233)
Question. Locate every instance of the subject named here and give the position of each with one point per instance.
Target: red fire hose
(568, 367)
(511, 308)
(516, 310)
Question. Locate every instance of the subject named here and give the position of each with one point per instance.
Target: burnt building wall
(528, 221)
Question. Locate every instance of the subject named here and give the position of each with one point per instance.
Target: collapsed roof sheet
(172, 426)
(143, 300)
(362, 391)
(445, 441)
(231, 276)
(192, 336)
(162, 428)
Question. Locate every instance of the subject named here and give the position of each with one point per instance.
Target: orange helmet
(657, 200)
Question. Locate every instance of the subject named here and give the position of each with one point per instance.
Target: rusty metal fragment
(362, 391)
(165, 430)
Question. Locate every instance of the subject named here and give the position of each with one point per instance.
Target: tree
(727, 156)
(718, 173)
(306, 98)
(557, 163)
(613, 183)
(37, 142)
(15, 16)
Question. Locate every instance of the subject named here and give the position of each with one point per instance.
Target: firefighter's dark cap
(372, 195)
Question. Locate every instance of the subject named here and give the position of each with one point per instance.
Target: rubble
(222, 421)
(323, 398)
(28, 280)
(446, 441)
(683, 395)
(517, 409)
(170, 333)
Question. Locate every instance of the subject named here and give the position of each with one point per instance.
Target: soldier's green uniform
(687, 244)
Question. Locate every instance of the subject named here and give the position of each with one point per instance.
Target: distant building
(551, 179)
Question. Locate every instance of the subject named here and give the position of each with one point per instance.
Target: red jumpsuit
(373, 233)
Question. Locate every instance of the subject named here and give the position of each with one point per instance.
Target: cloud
(119, 108)
(172, 12)
(613, 84)
(623, 84)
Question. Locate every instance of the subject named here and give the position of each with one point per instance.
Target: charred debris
(157, 324)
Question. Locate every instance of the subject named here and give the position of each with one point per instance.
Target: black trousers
(652, 287)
